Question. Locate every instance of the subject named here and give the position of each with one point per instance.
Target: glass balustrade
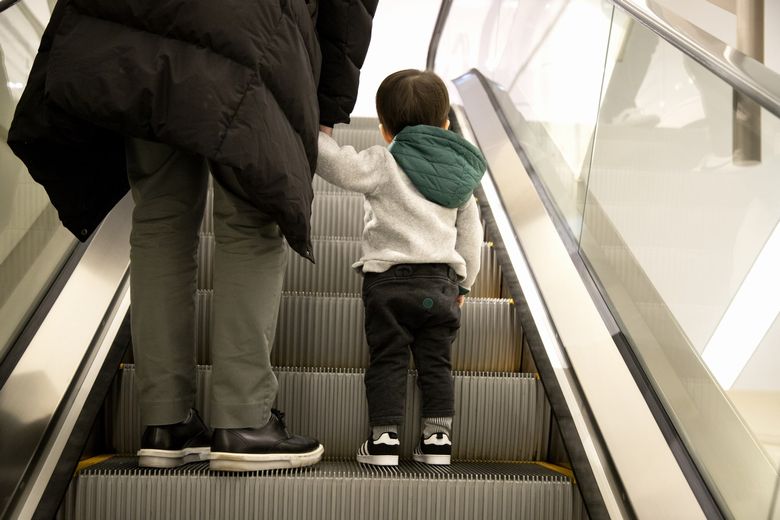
(552, 86)
(33, 244)
(668, 183)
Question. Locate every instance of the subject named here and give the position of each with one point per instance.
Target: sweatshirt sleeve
(469, 241)
(343, 166)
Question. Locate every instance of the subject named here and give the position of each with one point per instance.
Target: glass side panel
(681, 229)
(547, 60)
(33, 244)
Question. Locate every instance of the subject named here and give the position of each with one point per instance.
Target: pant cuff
(248, 415)
(158, 413)
(438, 413)
(386, 419)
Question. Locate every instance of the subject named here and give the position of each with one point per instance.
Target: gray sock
(433, 425)
(377, 431)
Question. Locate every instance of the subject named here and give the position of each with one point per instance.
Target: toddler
(420, 255)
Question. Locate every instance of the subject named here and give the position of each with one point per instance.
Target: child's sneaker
(436, 449)
(383, 451)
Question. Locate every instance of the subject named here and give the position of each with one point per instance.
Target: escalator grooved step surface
(118, 489)
(327, 330)
(337, 215)
(333, 271)
(406, 468)
(499, 416)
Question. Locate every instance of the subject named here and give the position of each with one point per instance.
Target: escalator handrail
(745, 74)
(438, 29)
(5, 4)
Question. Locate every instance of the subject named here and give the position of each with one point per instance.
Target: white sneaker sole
(226, 461)
(436, 460)
(170, 458)
(378, 460)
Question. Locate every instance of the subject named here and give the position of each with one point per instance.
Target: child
(420, 255)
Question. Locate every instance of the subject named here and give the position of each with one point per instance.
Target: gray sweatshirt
(402, 226)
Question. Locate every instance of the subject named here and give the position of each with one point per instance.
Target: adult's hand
(326, 130)
(460, 299)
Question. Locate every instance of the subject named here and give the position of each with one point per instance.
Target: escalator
(503, 422)
(580, 390)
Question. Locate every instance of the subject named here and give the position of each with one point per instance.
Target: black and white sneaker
(171, 445)
(383, 451)
(436, 449)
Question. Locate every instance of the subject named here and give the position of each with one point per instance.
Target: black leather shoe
(268, 447)
(172, 445)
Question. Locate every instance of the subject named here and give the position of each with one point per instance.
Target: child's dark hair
(412, 97)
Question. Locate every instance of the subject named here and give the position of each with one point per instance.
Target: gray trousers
(169, 188)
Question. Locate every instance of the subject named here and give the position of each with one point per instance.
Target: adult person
(158, 94)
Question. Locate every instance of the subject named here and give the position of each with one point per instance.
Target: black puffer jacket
(235, 81)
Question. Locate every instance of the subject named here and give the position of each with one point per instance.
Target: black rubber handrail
(5, 4)
(438, 29)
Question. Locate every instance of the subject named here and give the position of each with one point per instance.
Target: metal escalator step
(499, 417)
(333, 272)
(360, 123)
(337, 215)
(320, 185)
(324, 330)
(119, 489)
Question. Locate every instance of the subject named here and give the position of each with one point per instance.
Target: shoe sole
(435, 460)
(227, 461)
(378, 460)
(148, 458)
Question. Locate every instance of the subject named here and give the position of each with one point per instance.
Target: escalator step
(333, 272)
(360, 123)
(118, 489)
(327, 331)
(320, 185)
(337, 215)
(499, 417)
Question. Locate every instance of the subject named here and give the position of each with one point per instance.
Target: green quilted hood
(442, 165)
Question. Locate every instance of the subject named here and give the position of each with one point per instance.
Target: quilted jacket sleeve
(344, 32)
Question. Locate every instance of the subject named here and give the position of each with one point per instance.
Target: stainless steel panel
(42, 377)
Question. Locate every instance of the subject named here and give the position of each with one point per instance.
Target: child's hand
(460, 299)
(326, 130)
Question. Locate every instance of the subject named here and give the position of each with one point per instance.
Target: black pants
(410, 306)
